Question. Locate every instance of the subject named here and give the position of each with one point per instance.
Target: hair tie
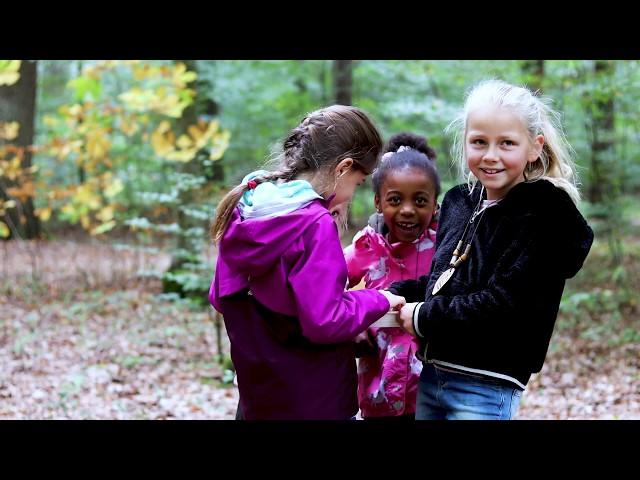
(252, 184)
(401, 148)
(386, 156)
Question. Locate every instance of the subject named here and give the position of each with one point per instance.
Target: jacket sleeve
(411, 290)
(327, 313)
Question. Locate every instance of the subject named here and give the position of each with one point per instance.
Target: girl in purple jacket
(280, 275)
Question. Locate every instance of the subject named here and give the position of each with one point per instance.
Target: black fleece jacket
(499, 309)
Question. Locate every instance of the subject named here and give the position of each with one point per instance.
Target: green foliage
(259, 101)
(601, 302)
(191, 281)
(598, 315)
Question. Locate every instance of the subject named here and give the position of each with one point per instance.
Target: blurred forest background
(110, 172)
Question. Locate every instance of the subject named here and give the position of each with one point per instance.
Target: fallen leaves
(109, 354)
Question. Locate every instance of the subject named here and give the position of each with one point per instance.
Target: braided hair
(321, 141)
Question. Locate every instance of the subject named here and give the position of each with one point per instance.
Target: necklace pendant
(444, 278)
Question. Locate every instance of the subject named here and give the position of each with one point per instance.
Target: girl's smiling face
(407, 202)
(498, 148)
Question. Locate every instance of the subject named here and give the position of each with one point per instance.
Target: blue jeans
(446, 395)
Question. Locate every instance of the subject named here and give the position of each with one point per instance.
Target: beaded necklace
(456, 258)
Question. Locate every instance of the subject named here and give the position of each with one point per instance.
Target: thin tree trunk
(342, 81)
(533, 71)
(602, 143)
(605, 181)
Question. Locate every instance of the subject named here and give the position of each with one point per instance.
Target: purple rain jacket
(280, 286)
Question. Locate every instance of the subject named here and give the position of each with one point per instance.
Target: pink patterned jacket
(388, 380)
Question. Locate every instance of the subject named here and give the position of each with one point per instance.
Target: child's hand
(395, 301)
(406, 318)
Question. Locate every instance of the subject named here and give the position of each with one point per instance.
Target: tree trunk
(186, 197)
(324, 64)
(602, 140)
(342, 80)
(206, 107)
(604, 189)
(201, 107)
(18, 104)
(533, 71)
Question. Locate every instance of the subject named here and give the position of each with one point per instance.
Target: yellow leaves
(141, 72)
(97, 143)
(199, 136)
(156, 100)
(114, 188)
(6, 205)
(18, 181)
(4, 230)
(169, 94)
(68, 210)
(86, 195)
(6, 169)
(105, 227)
(171, 106)
(181, 77)
(62, 148)
(43, 214)
(183, 156)
(90, 203)
(204, 132)
(219, 145)
(73, 115)
(88, 137)
(23, 192)
(59, 194)
(135, 99)
(49, 121)
(75, 111)
(85, 221)
(128, 125)
(195, 132)
(9, 130)
(105, 214)
(9, 72)
(184, 142)
(11, 166)
(97, 134)
(95, 70)
(162, 139)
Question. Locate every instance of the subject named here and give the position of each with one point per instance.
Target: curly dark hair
(419, 155)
